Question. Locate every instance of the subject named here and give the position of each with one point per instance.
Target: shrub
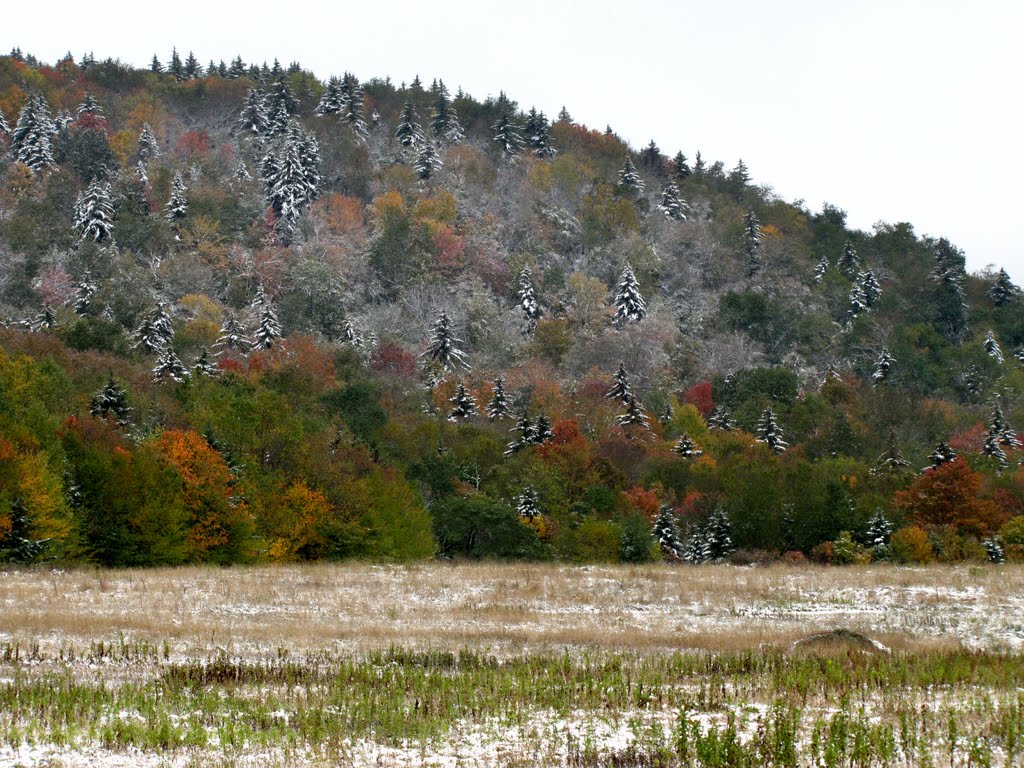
(1012, 535)
(912, 545)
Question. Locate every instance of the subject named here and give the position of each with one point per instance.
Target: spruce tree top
(629, 303)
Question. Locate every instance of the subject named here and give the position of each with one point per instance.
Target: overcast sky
(893, 110)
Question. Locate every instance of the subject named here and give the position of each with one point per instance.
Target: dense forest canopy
(254, 315)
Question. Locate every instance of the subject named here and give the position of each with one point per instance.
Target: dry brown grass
(510, 608)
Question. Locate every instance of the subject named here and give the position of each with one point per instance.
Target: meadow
(512, 665)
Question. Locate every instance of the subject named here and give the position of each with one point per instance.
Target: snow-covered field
(559, 665)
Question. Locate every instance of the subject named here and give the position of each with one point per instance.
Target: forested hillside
(252, 314)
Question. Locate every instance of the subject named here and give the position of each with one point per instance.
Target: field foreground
(511, 665)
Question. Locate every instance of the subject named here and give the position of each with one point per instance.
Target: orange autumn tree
(948, 497)
(220, 526)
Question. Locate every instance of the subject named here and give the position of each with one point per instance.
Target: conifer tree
(630, 306)
(463, 405)
(176, 68)
(352, 106)
(620, 386)
(204, 365)
(81, 302)
(870, 287)
(820, 271)
(680, 168)
(768, 432)
(718, 536)
(942, 454)
(177, 206)
(564, 116)
(540, 142)
(169, 366)
(443, 348)
(232, 337)
(720, 419)
(409, 133)
(752, 241)
(630, 182)
(699, 166)
(635, 416)
(19, 545)
(155, 66)
(671, 204)
(739, 176)
(291, 177)
(241, 171)
(237, 68)
(991, 447)
(1003, 291)
(879, 530)
(666, 533)
(330, 102)
(444, 120)
(44, 320)
(650, 158)
(506, 135)
(527, 298)
(543, 430)
(992, 348)
(351, 336)
(268, 327)
(155, 332)
(526, 435)
(950, 316)
(111, 401)
(148, 147)
(693, 552)
(668, 413)
(527, 506)
(192, 69)
(883, 368)
(686, 448)
(254, 116)
(1000, 430)
(427, 161)
(892, 459)
(858, 300)
(282, 97)
(849, 261)
(94, 213)
(994, 550)
(498, 407)
(89, 106)
(30, 139)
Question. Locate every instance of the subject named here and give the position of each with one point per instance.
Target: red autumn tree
(949, 496)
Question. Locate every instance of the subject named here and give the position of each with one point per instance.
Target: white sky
(897, 110)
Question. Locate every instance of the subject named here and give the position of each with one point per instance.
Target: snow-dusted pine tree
(686, 448)
(20, 544)
(331, 100)
(768, 432)
(718, 536)
(169, 366)
(870, 286)
(858, 301)
(680, 168)
(879, 530)
(177, 206)
(892, 459)
(111, 401)
(444, 120)
(1003, 291)
(268, 327)
(527, 506)
(629, 304)
(89, 106)
(498, 407)
(752, 242)
(155, 332)
(232, 337)
(81, 302)
(254, 116)
(635, 416)
(666, 533)
(671, 204)
(409, 133)
(620, 386)
(30, 139)
(352, 107)
(525, 432)
(463, 404)
(541, 141)
(506, 135)
(994, 550)
(693, 553)
(630, 182)
(849, 261)
(543, 432)
(992, 348)
(720, 419)
(883, 368)
(204, 365)
(94, 213)
(443, 347)
(428, 160)
(942, 454)
(527, 298)
(148, 148)
(990, 447)
(820, 270)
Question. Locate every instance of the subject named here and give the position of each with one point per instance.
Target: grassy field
(511, 665)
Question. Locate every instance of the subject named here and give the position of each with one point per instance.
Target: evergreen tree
(498, 407)
(19, 545)
(5, 129)
(994, 550)
(990, 447)
(999, 427)
(527, 506)
(427, 161)
(443, 348)
(237, 68)
(540, 142)
(671, 205)
(634, 415)
(879, 530)
(526, 435)
(883, 368)
(668, 413)
(156, 332)
(870, 287)
(176, 68)
(463, 405)
(148, 147)
(331, 101)
(232, 337)
(680, 168)
(543, 431)
(350, 336)
(739, 176)
(892, 459)
(666, 533)
(282, 98)
(177, 206)
(942, 454)
(254, 116)
(111, 401)
(241, 171)
(81, 302)
(506, 135)
(94, 213)
(291, 177)
(620, 386)
(192, 70)
(169, 366)
(155, 66)
(752, 240)
(1003, 291)
(686, 448)
(950, 316)
(768, 432)
(820, 270)
(630, 182)
(992, 348)
(352, 106)
(699, 166)
(89, 106)
(409, 133)
(718, 536)
(444, 120)
(30, 139)
(849, 261)
(44, 320)
(564, 116)
(268, 327)
(527, 298)
(204, 365)
(650, 158)
(720, 419)
(629, 304)
(693, 553)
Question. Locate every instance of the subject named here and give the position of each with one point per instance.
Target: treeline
(255, 315)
